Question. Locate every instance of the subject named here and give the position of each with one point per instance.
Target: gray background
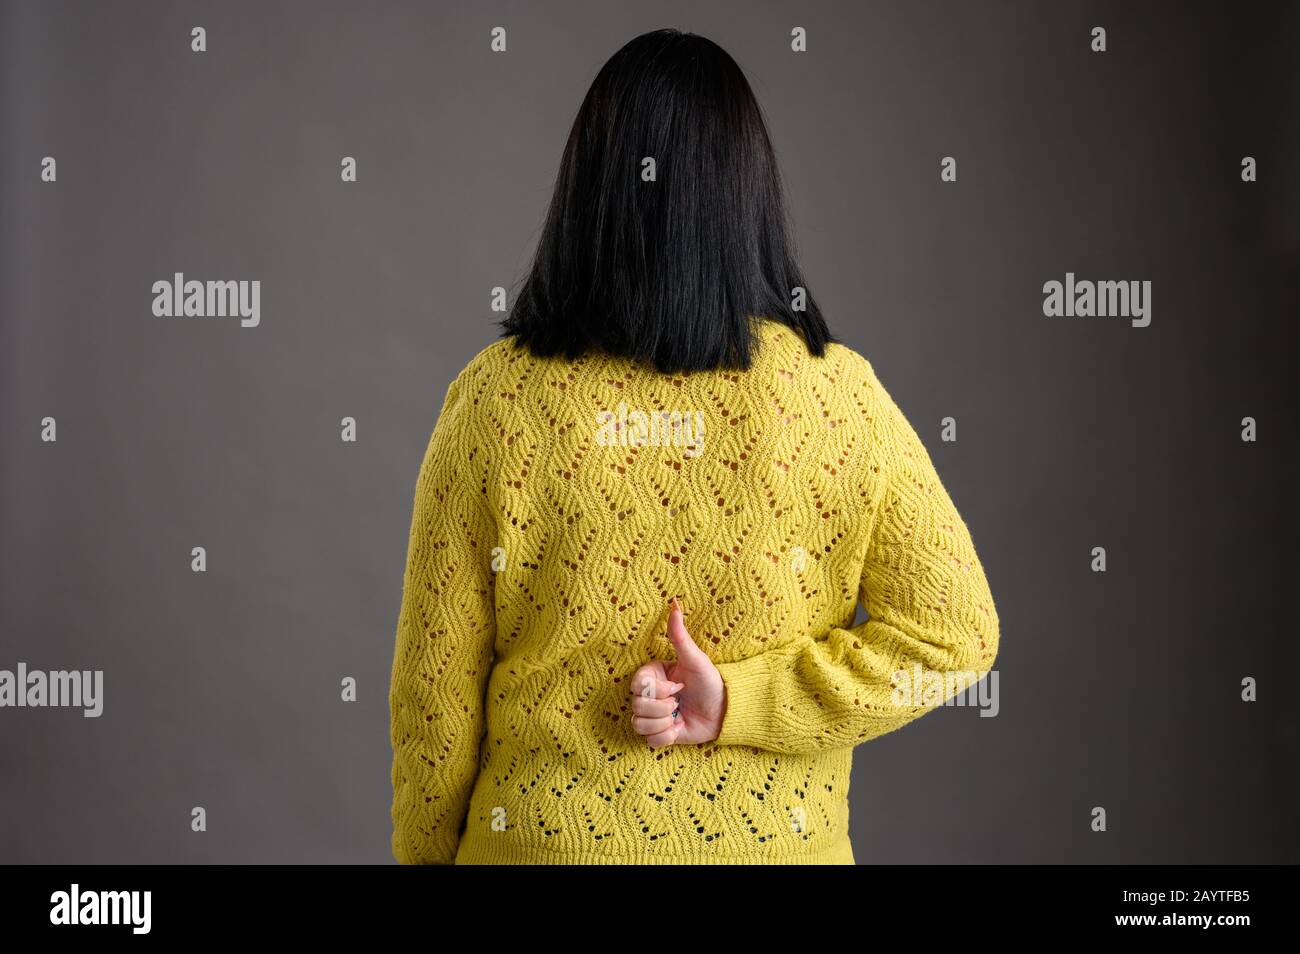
(222, 689)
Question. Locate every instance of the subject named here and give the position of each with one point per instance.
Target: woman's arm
(444, 650)
(928, 603)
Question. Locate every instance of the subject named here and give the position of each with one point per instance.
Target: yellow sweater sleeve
(928, 604)
(444, 645)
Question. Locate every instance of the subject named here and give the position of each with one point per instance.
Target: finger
(667, 737)
(654, 708)
(687, 650)
(652, 726)
(651, 670)
(646, 687)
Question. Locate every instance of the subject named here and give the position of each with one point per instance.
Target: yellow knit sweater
(561, 504)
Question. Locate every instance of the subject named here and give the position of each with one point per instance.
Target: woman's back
(562, 503)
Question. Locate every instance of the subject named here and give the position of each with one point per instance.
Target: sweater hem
(478, 851)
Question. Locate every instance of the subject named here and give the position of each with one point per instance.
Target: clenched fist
(682, 701)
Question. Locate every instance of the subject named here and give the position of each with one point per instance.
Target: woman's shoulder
(480, 376)
(490, 359)
(785, 346)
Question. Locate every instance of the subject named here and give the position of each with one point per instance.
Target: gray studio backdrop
(1120, 690)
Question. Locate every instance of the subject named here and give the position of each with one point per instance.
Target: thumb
(688, 653)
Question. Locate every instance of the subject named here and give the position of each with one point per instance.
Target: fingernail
(673, 603)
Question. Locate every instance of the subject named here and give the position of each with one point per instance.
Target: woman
(645, 517)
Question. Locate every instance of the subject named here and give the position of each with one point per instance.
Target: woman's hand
(683, 701)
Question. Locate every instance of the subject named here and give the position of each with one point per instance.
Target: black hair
(674, 271)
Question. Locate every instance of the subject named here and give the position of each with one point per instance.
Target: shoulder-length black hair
(669, 270)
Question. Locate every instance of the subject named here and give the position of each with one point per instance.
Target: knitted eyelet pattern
(560, 504)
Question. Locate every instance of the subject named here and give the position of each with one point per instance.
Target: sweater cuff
(748, 719)
(439, 854)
